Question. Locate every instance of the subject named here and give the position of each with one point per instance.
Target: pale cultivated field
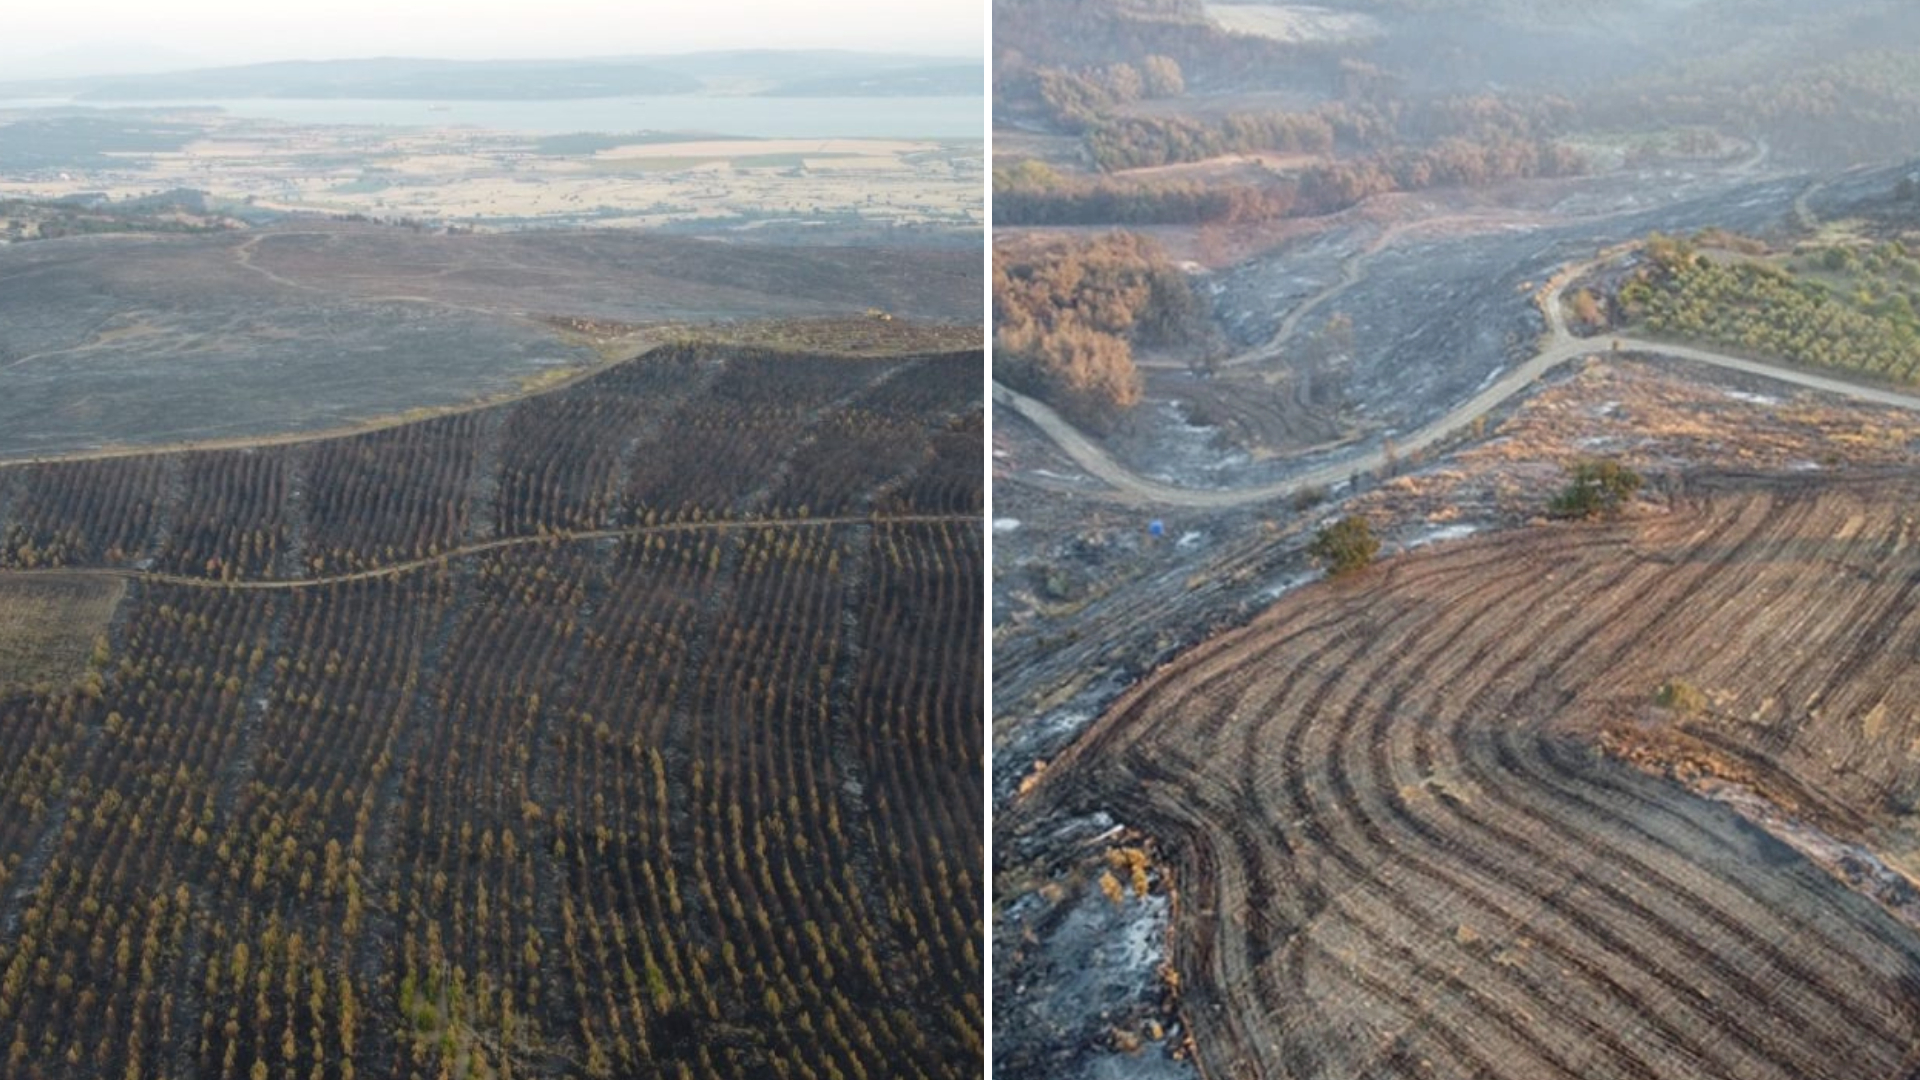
(1228, 167)
(1293, 22)
(727, 148)
(463, 175)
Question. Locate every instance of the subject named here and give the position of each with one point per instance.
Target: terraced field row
(689, 802)
(684, 433)
(1399, 851)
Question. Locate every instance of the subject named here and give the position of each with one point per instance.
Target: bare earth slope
(1400, 851)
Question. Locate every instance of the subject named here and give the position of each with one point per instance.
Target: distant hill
(819, 72)
(952, 80)
(399, 78)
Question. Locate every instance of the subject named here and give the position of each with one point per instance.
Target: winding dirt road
(1560, 346)
(1353, 270)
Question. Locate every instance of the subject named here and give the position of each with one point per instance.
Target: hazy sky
(51, 39)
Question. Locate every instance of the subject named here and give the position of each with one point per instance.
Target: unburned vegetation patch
(49, 626)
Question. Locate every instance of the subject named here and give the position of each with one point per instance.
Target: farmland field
(630, 729)
(1444, 819)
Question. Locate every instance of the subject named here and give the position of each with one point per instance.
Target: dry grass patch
(874, 334)
(49, 624)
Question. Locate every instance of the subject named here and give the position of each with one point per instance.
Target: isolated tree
(1345, 547)
(1586, 308)
(1681, 696)
(1596, 488)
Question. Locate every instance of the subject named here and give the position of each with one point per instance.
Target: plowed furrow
(1401, 856)
(1494, 778)
(1495, 781)
(1335, 840)
(1495, 885)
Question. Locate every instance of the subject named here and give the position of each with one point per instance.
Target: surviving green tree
(1596, 488)
(1347, 546)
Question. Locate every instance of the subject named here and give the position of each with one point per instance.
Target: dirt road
(1559, 347)
(412, 565)
(1353, 270)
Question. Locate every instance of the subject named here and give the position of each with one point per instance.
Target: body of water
(765, 117)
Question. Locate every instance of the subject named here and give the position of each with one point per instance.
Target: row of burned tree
(699, 803)
(684, 434)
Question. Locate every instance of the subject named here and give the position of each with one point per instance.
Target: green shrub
(1596, 488)
(1681, 697)
(1346, 546)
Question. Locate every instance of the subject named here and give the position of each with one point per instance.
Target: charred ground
(142, 340)
(1347, 371)
(630, 729)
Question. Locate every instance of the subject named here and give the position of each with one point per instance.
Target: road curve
(1129, 488)
(1353, 269)
(412, 565)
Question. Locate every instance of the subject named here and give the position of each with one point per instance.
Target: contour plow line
(1398, 853)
